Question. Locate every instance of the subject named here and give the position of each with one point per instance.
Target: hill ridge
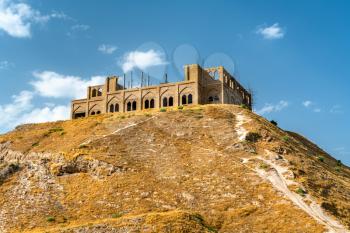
(221, 163)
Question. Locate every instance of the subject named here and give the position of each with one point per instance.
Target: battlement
(213, 85)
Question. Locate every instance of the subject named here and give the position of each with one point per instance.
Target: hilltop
(212, 168)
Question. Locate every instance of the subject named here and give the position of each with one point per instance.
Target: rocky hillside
(214, 168)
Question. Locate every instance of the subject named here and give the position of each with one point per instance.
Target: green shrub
(285, 138)
(35, 144)
(337, 169)
(56, 129)
(300, 191)
(198, 218)
(148, 115)
(162, 110)
(14, 166)
(252, 137)
(274, 122)
(320, 158)
(117, 215)
(212, 229)
(50, 219)
(244, 106)
(339, 163)
(180, 107)
(264, 166)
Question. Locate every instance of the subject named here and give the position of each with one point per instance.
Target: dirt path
(116, 131)
(241, 131)
(277, 177)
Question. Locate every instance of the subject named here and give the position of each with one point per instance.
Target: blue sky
(294, 55)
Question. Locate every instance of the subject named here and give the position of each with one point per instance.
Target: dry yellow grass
(173, 171)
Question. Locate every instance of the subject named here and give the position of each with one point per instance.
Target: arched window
(216, 98)
(116, 109)
(184, 100)
(98, 112)
(165, 102)
(151, 104)
(134, 105)
(146, 104)
(211, 99)
(128, 106)
(189, 101)
(111, 108)
(93, 93)
(99, 93)
(171, 101)
(92, 113)
(216, 75)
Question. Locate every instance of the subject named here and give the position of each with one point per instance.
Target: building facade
(200, 86)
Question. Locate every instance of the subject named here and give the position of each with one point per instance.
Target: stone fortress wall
(200, 86)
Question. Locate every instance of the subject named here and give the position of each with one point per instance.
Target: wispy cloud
(142, 60)
(5, 65)
(341, 150)
(107, 49)
(311, 105)
(77, 30)
(16, 19)
(271, 32)
(80, 27)
(307, 103)
(269, 108)
(336, 109)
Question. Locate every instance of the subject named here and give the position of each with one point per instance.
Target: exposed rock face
(188, 170)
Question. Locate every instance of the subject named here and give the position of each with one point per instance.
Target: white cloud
(47, 84)
(16, 19)
(317, 110)
(52, 84)
(307, 103)
(271, 32)
(268, 108)
(45, 114)
(21, 111)
(142, 60)
(10, 112)
(107, 49)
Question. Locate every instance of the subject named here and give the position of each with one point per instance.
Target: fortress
(200, 86)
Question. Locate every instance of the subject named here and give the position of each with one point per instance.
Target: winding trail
(280, 182)
(276, 176)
